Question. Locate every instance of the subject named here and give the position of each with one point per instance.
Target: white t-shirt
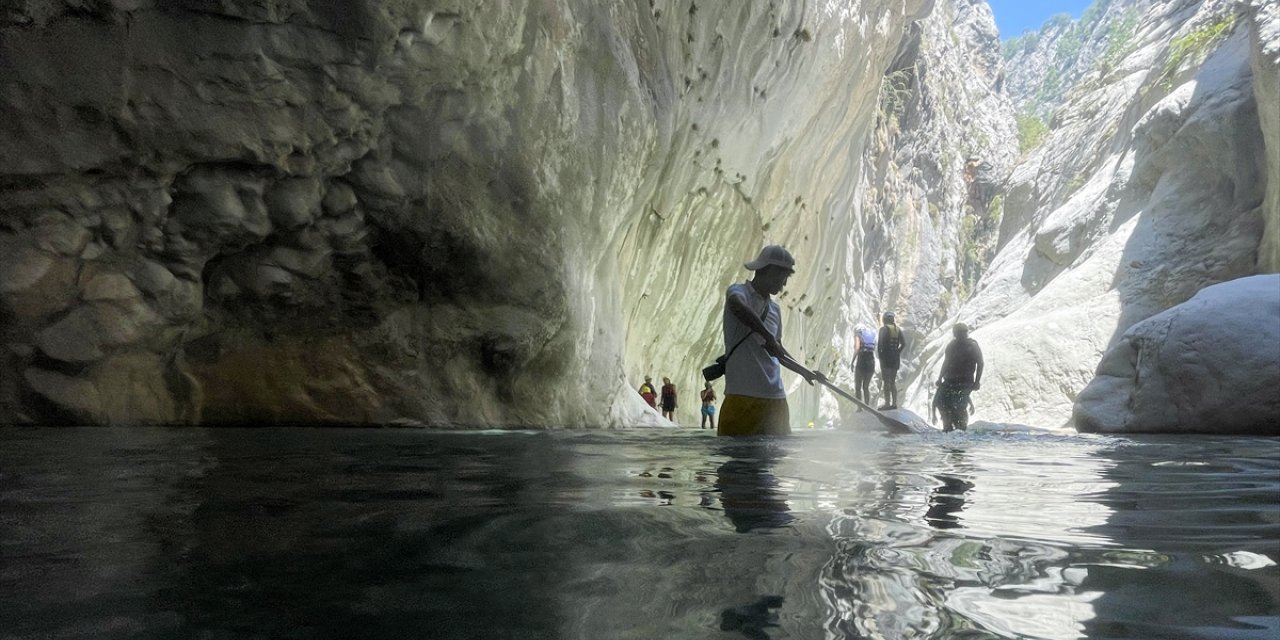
(751, 371)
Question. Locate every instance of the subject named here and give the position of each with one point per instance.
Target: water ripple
(635, 534)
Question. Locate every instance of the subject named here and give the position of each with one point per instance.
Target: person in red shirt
(646, 392)
(668, 400)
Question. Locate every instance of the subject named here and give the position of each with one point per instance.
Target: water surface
(334, 533)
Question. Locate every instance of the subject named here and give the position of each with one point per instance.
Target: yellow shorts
(747, 416)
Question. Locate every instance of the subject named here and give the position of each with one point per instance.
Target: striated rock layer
(506, 213)
(496, 213)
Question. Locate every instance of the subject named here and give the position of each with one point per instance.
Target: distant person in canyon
(708, 405)
(981, 184)
(889, 347)
(961, 375)
(864, 362)
(646, 392)
(668, 399)
(971, 177)
(755, 402)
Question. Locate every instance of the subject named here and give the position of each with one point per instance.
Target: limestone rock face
(1208, 365)
(493, 213)
(1264, 54)
(927, 200)
(506, 213)
(1148, 187)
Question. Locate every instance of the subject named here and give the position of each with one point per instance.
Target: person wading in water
(864, 362)
(755, 402)
(668, 400)
(961, 375)
(708, 405)
(890, 348)
(647, 392)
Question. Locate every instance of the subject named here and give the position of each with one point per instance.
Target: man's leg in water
(962, 411)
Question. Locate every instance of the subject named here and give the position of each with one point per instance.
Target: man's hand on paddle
(790, 363)
(773, 347)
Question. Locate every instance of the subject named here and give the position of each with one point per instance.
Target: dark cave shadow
(296, 533)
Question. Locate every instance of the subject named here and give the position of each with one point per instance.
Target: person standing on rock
(668, 399)
(646, 392)
(889, 347)
(864, 362)
(708, 405)
(961, 375)
(755, 402)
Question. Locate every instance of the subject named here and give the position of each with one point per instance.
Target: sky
(1015, 16)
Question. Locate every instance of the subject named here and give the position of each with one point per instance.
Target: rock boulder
(1209, 365)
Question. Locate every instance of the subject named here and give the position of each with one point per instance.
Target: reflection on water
(280, 533)
(752, 497)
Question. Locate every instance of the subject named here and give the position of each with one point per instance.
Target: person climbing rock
(864, 362)
(889, 347)
(961, 375)
(755, 402)
(668, 399)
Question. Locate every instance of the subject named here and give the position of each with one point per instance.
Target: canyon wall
(507, 213)
(1142, 186)
(441, 212)
(928, 196)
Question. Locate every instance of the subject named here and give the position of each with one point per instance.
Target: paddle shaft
(888, 422)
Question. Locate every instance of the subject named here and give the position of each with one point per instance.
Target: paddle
(895, 426)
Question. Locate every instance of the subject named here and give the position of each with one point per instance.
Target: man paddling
(755, 402)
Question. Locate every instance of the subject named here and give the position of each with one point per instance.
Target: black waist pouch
(715, 371)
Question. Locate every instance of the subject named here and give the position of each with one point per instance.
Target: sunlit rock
(1208, 365)
(1122, 210)
(926, 209)
(1264, 55)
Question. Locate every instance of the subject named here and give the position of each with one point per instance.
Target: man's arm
(808, 375)
(737, 303)
(977, 375)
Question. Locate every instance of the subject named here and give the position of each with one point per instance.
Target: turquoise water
(335, 533)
